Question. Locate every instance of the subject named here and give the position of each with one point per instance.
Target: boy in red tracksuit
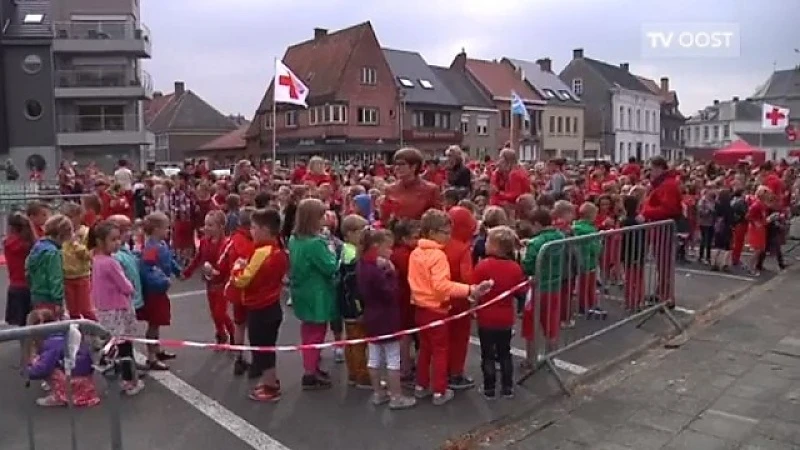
(459, 255)
(237, 252)
(211, 246)
(496, 321)
(405, 239)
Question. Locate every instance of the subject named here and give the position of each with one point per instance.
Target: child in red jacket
(211, 246)
(459, 255)
(496, 321)
(405, 239)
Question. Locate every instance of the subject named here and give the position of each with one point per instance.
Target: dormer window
(405, 82)
(425, 84)
(548, 93)
(33, 19)
(564, 94)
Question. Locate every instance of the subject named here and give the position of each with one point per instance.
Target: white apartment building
(637, 124)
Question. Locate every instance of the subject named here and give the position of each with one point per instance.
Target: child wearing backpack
(351, 306)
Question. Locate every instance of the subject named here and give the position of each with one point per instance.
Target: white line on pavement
(560, 363)
(187, 294)
(728, 415)
(242, 429)
(729, 276)
(686, 311)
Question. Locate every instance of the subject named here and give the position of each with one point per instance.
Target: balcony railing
(102, 76)
(98, 123)
(101, 30)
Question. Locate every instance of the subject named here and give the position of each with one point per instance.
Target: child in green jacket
(588, 256)
(44, 266)
(547, 278)
(312, 274)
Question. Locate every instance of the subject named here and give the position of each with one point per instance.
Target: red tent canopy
(738, 151)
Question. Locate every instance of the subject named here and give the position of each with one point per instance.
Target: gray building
(480, 118)
(429, 113)
(99, 84)
(27, 115)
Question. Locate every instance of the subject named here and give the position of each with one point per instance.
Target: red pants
(432, 356)
(737, 246)
(549, 304)
(665, 265)
(587, 290)
(458, 332)
(218, 307)
(565, 300)
(77, 297)
(634, 286)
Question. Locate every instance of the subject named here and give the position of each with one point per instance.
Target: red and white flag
(774, 117)
(288, 87)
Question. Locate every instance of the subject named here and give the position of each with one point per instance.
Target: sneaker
(461, 382)
(49, 401)
(240, 366)
(338, 355)
(421, 392)
(315, 383)
(489, 394)
(254, 372)
(166, 356)
(402, 402)
(45, 386)
(132, 388)
(379, 399)
(441, 399)
(265, 394)
(360, 385)
(508, 392)
(323, 375)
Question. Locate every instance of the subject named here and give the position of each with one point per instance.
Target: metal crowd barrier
(11, 202)
(586, 286)
(110, 372)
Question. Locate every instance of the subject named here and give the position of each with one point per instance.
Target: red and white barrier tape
(342, 343)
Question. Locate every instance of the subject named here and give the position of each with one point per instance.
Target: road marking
(222, 416)
(187, 294)
(686, 311)
(560, 363)
(729, 276)
(731, 416)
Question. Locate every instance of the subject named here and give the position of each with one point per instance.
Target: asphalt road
(200, 405)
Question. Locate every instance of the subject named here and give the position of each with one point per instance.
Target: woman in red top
(316, 174)
(606, 219)
(757, 226)
(410, 196)
(16, 245)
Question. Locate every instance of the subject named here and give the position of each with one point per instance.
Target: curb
(482, 435)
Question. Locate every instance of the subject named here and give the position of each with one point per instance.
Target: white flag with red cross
(287, 87)
(774, 117)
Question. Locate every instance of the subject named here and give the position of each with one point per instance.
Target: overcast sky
(223, 49)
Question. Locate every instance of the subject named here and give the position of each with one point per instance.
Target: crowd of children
(346, 265)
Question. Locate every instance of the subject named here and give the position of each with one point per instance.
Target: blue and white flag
(518, 106)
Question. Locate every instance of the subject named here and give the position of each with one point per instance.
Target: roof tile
(233, 140)
(540, 80)
(616, 75)
(189, 112)
(462, 88)
(411, 66)
(500, 79)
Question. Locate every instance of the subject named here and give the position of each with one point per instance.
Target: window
(705, 133)
(425, 84)
(32, 64)
(405, 82)
(320, 115)
(716, 132)
(663, 134)
(630, 119)
(577, 86)
(432, 119)
(567, 125)
(505, 118)
(726, 131)
(367, 116)
(465, 124)
(291, 118)
(621, 117)
(552, 124)
(629, 151)
(313, 115)
(482, 126)
(267, 120)
(560, 126)
(647, 149)
(33, 109)
(682, 135)
(575, 125)
(368, 75)
(33, 19)
(564, 94)
(638, 120)
(647, 122)
(162, 141)
(621, 150)
(548, 93)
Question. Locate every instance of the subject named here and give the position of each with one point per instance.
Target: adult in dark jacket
(458, 175)
(663, 203)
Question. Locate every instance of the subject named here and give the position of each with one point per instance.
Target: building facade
(619, 109)
(672, 146)
(782, 88)
(28, 115)
(100, 84)
(352, 103)
(562, 130)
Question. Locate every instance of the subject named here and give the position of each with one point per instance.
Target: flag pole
(274, 115)
(761, 128)
(511, 131)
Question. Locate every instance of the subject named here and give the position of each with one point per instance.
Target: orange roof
(231, 141)
(155, 105)
(500, 79)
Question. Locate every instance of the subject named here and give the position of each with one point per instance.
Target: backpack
(350, 305)
(739, 207)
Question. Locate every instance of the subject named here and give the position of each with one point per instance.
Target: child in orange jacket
(459, 255)
(431, 292)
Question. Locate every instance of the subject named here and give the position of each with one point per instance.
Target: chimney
(665, 85)
(320, 33)
(577, 53)
(545, 64)
(735, 99)
(460, 61)
(625, 66)
(157, 94)
(716, 102)
(180, 87)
